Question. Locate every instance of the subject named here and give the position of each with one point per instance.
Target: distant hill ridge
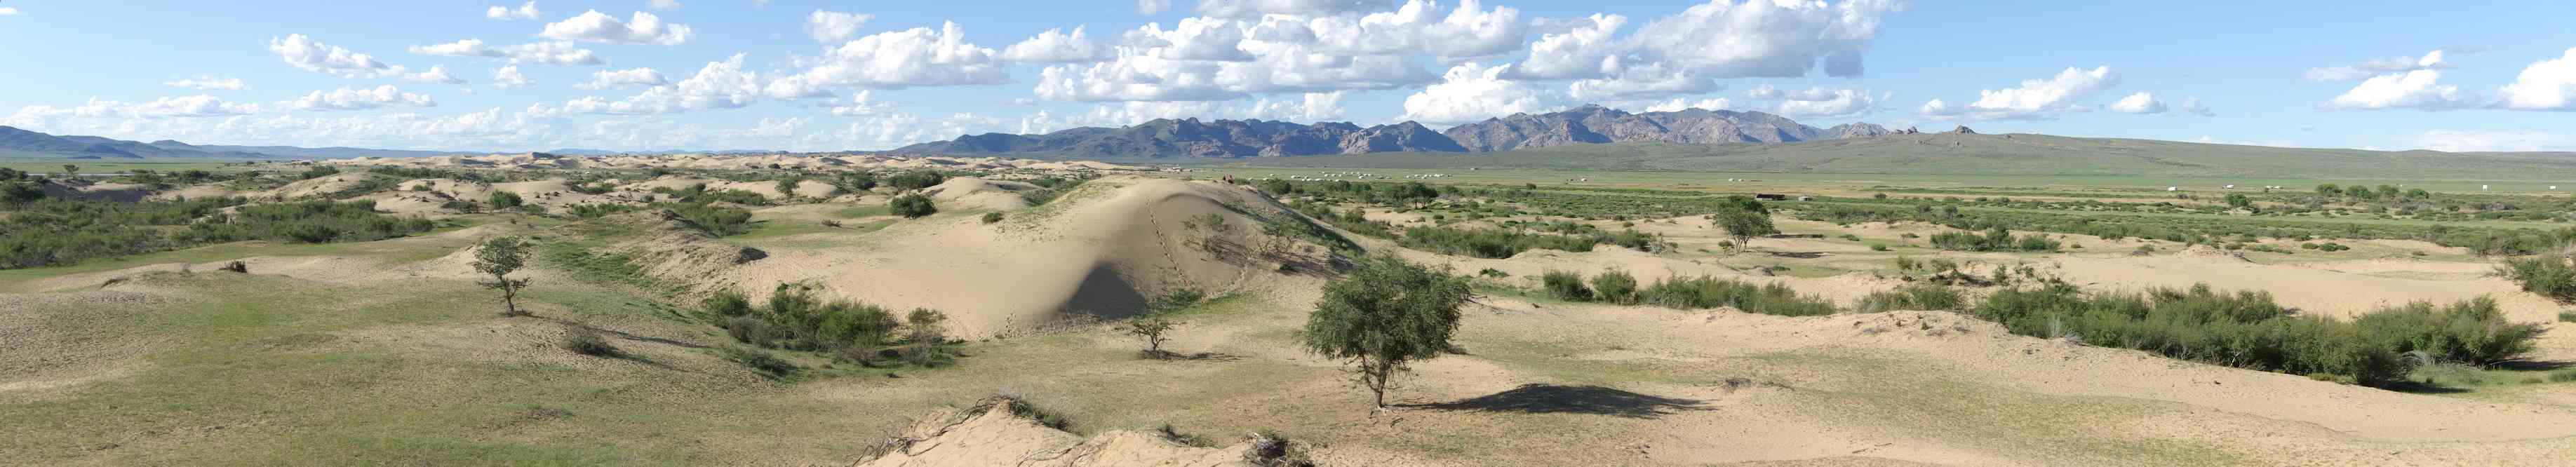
(23, 143)
(1168, 138)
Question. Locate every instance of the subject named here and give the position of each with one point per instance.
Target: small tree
(924, 334)
(1744, 218)
(499, 257)
(1384, 314)
(1151, 327)
(912, 206)
(70, 170)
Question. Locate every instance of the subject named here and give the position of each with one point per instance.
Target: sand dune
(727, 161)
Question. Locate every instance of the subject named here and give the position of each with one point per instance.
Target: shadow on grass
(2420, 387)
(2533, 365)
(1550, 398)
(1170, 355)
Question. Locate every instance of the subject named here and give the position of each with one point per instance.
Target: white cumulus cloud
(2140, 103)
(436, 74)
(524, 11)
(1685, 53)
(1470, 92)
(895, 60)
(2547, 85)
(1152, 7)
(509, 77)
(833, 26)
(618, 78)
(1258, 8)
(2379, 66)
(357, 99)
(2033, 99)
(718, 85)
(1055, 46)
(311, 55)
(203, 82)
(563, 53)
(642, 28)
(2419, 89)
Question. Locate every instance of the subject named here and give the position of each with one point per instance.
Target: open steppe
(374, 345)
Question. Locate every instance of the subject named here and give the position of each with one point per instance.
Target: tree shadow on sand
(1587, 399)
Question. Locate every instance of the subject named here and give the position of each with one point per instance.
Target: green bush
(1490, 243)
(581, 339)
(726, 303)
(715, 220)
(992, 217)
(912, 206)
(1913, 297)
(2248, 330)
(1711, 292)
(1996, 239)
(1566, 285)
(2548, 276)
(504, 200)
(917, 179)
(1615, 286)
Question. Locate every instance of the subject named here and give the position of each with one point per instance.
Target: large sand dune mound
(726, 161)
(1101, 251)
(992, 435)
(979, 193)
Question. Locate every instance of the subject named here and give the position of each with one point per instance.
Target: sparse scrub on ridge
(912, 206)
(761, 361)
(2247, 329)
(504, 200)
(1050, 188)
(1384, 314)
(699, 194)
(989, 217)
(1913, 297)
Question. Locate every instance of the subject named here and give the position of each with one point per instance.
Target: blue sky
(814, 76)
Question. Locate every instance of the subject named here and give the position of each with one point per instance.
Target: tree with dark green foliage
(2549, 276)
(1744, 218)
(499, 257)
(1384, 314)
(2239, 201)
(20, 191)
(318, 172)
(912, 206)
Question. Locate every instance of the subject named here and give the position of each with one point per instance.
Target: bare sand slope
(2333, 289)
(1100, 251)
(992, 435)
(979, 193)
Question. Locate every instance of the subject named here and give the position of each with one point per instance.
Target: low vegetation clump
(915, 180)
(2548, 276)
(1615, 286)
(1996, 239)
(1689, 293)
(1490, 243)
(699, 194)
(715, 220)
(1913, 297)
(54, 232)
(2248, 330)
(1565, 285)
(912, 206)
(581, 339)
(796, 318)
(498, 257)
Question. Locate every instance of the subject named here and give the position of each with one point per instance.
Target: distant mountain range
(21, 143)
(1193, 138)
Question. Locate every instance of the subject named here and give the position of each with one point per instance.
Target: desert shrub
(925, 338)
(916, 179)
(761, 361)
(581, 339)
(596, 210)
(1565, 285)
(992, 217)
(1711, 292)
(714, 220)
(2248, 330)
(1996, 239)
(1615, 286)
(1913, 297)
(726, 303)
(912, 206)
(1490, 243)
(2545, 275)
(504, 200)
(318, 172)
